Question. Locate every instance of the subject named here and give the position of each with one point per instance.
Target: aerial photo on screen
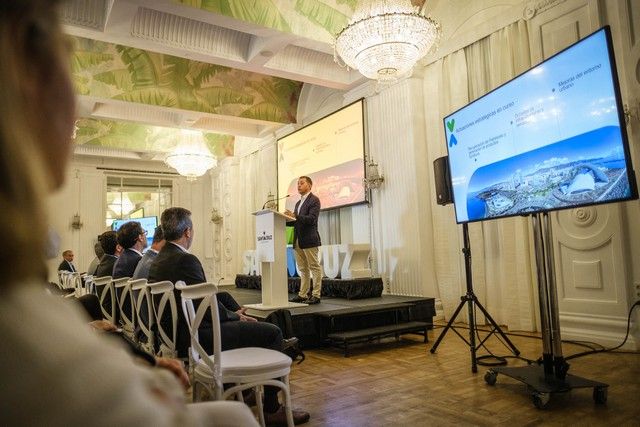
(586, 169)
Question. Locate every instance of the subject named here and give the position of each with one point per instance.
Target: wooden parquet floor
(402, 384)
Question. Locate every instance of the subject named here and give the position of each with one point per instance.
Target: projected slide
(329, 151)
(549, 139)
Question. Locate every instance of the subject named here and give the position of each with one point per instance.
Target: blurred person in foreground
(55, 370)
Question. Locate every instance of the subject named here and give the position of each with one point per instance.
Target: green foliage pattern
(124, 73)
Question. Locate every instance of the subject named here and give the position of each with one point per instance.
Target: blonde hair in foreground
(31, 45)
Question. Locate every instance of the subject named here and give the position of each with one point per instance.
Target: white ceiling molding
(190, 35)
(91, 14)
(111, 109)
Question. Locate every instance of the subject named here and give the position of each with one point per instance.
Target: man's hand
(287, 212)
(176, 368)
(103, 325)
(243, 317)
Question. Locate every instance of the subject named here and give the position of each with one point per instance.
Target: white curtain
(503, 276)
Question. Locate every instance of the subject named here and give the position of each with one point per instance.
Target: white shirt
(302, 200)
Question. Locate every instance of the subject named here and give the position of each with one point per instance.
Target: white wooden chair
(89, 287)
(162, 298)
(126, 314)
(107, 297)
(249, 367)
(144, 317)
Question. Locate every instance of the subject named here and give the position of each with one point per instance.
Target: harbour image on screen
(579, 170)
(148, 223)
(552, 138)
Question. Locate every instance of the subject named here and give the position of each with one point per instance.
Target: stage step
(343, 339)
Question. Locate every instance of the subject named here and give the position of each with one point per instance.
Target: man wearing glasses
(133, 240)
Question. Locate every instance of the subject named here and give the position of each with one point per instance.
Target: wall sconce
(373, 179)
(271, 203)
(76, 224)
(216, 218)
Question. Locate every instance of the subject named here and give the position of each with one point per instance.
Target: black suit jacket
(174, 264)
(66, 266)
(126, 264)
(105, 268)
(305, 227)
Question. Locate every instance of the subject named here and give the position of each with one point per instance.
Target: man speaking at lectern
(306, 241)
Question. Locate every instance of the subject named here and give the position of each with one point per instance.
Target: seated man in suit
(142, 270)
(97, 249)
(109, 243)
(67, 262)
(174, 263)
(105, 267)
(133, 240)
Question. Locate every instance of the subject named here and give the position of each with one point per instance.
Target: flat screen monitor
(552, 138)
(148, 223)
(331, 152)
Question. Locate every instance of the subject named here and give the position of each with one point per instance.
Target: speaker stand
(471, 301)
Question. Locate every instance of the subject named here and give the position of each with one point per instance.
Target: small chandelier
(191, 157)
(385, 38)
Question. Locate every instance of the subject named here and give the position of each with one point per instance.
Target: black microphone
(274, 200)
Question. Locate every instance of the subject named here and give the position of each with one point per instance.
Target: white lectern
(271, 252)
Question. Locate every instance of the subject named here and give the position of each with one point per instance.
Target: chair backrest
(145, 319)
(207, 293)
(106, 295)
(89, 287)
(75, 282)
(126, 314)
(62, 278)
(164, 307)
(66, 279)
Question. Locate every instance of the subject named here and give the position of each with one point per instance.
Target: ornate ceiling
(228, 67)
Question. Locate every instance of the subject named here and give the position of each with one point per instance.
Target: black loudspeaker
(444, 193)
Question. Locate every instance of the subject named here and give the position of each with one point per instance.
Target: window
(135, 197)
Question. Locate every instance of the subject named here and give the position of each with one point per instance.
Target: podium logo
(265, 237)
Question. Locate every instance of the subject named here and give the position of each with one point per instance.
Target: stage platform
(312, 324)
(365, 287)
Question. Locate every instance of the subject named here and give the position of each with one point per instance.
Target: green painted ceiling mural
(142, 138)
(107, 70)
(313, 19)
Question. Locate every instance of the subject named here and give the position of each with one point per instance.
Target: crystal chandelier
(385, 38)
(191, 157)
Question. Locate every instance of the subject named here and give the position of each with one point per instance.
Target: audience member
(67, 262)
(133, 240)
(174, 263)
(142, 270)
(108, 242)
(97, 249)
(54, 370)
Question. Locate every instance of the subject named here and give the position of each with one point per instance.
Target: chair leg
(259, 391)
(194, 392)
(288, 407)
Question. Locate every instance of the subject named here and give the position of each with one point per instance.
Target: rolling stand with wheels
(550, 377)
(471, 301)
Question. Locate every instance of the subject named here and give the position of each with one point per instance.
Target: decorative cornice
(533, 8)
